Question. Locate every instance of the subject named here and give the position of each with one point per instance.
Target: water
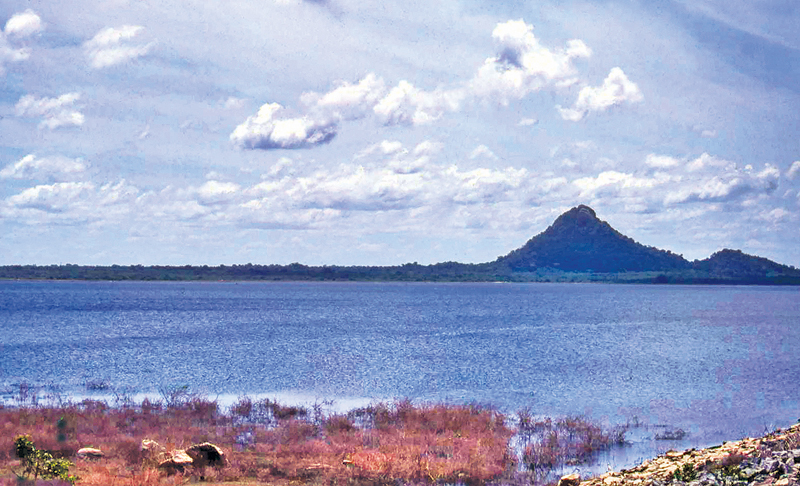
(718, 362)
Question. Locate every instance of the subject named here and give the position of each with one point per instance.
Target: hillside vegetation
(577, 247)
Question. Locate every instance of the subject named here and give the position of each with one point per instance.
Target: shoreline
(770, 459)
(667, 468)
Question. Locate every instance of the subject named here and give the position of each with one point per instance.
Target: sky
(347, 132)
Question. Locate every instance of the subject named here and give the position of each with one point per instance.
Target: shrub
(39, 463)
(685, 474)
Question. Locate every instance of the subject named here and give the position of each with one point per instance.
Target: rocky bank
(772, 460)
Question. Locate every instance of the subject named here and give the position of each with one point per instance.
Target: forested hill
(580, 242)
(577, 247)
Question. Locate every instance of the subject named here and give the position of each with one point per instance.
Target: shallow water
(718, 362)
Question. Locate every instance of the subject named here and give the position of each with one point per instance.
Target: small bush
(39, 463)
(685, 474)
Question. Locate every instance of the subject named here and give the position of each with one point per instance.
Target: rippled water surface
(719, 362)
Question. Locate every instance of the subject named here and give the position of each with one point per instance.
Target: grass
(269, 443)
(549, 444)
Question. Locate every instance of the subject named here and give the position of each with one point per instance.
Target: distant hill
(577, 247)
(733, 264)
(580, 242)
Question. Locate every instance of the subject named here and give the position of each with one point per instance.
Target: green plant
(686, 473)
(38, 463)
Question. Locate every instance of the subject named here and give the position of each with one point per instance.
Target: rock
(749, 473)
(175, 461)
(90, 453)
(206, 454)
(151, 446)
(771, 465)
(612, 480)
(570, 480)
(782, 482)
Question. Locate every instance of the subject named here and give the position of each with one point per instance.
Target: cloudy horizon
(339, 132)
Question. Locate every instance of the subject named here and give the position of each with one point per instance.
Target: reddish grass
(265, 442)
(551, 443)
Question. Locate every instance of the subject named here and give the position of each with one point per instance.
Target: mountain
(577, 247)
(578, 241)
(733, 264)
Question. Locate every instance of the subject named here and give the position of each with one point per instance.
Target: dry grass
(267, 443)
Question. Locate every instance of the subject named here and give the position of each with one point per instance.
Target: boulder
(151, 446)
(206, 454)
(175, 461)
(570, 480)
(90, 453)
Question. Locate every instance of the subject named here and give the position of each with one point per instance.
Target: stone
(782, 482)
(206, 454)
(151, 446)
(750, 472)
(90, 453)
(612, 480)
(771, 465)
(570, 480)
(175, 461)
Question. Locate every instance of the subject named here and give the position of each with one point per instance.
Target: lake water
(718, 362)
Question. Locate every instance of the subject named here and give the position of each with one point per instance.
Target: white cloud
(19, 26)
(793, 170)
(384, 147)
(31, 167)
(23, 24)
(216, 192)
(523, 65)
(407, 105)
(54, 198)
(55, 112)
(233, 103)
(528, 122)
(112, 46)
(776, 215)
(348, 101)
(661, 161)
(482, 151)
(615, 182)
(616, 89)
(716, 180)
(266, 131)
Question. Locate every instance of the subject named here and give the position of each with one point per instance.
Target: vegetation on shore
(269, 443)
(577, 247)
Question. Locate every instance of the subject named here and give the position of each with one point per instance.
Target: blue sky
(350, 132)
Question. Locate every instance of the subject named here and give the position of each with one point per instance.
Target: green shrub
(685, 474)
(39, 463)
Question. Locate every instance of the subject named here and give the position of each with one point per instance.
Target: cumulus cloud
(55, 112)
(614, 182)
(67, 202)
(216, 192)
(616, 89)
(19, 26)
(661, 161)
(793, 170)
(710, 179)
(407, 105)
(482, 151)
(266, 130)
(31, 167)
(348, 101)
(23, 24)
(523, 65)
(52, 197)
(112, 46)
